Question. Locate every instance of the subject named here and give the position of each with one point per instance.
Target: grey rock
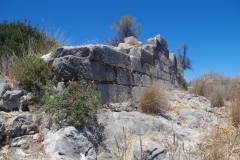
(142, 54)
(21, 142)
(138, 65)
(11, 100)
(2, 89)
(118, 107)
(11, 95)
(69, 143)
(70, 67)
(173, 62)
(150, 151)
(158, 64)
(224, 120)
(125, 77)
(114, 93)
(145, 81)
(165, 68)
(153, 50)
(80, 51)
(166, 76)
(162, 40)
(136, 93)
(156, 43)
(109, 56)
(158, 73)
(124, 47)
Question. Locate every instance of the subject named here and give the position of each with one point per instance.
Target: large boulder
(11, 100)
(72, 144)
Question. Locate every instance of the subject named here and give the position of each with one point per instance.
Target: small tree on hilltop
(125, 27)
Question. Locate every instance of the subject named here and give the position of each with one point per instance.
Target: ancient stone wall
(120, 72)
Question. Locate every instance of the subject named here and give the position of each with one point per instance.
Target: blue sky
(211, 28)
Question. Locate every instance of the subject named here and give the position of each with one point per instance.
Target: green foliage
(31, 71)
(183, 83)
(125, 27)
(73, 105)
(21, 38)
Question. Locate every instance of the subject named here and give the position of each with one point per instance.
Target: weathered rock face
(119, 70)
(117, 128)
(72, 144)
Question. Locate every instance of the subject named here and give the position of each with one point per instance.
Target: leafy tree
(184, 62)
(125, 27)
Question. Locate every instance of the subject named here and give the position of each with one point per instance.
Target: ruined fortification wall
(121, 72)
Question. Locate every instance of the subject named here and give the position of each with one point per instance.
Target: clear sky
(211, 28)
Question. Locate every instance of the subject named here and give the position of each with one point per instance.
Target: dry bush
(153, 99)
(235, 111)
(223, 144)
(216, 87)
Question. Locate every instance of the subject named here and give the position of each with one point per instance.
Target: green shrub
(31, 71)
(183, 83)
(22, 38)
(73, 105)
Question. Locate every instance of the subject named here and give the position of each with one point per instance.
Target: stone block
(112, 93)
(80, 51)
(123, 47)
(173, 62)
(125, 77)
(156, 43)
(176, 84)
(137, 65)
(169, 85)
(69, 67)
(162, 40)
(100, 72)
(165, 60)
(145, 81)
(136, 93)
(109, 56)
(165, 68)
(137, 79)
(153, 50)
(166, 76)
(158, 64)
(142, 54)
(166, 52)
(149, 70)
(158, 73)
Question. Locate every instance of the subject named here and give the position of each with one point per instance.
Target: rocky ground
(118, 132)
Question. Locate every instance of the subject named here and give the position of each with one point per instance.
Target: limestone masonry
(120, 72)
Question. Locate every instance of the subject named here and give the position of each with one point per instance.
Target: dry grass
(216, 87)
(122, 145)
(153, 99)
(222, 144)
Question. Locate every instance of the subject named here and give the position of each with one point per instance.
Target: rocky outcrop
(119, 72)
